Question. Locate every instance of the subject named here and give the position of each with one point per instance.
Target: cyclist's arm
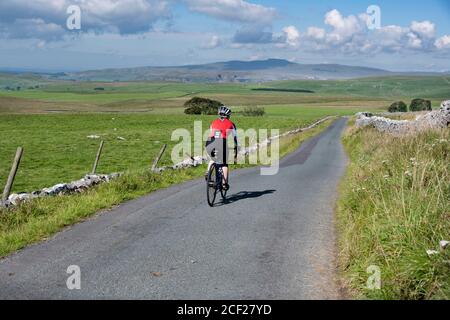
(235, 136)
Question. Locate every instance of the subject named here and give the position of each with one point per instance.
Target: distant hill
(20, 81)
(230, 71)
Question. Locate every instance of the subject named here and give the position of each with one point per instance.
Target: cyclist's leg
(224, 159)
(225, 180)
(225, 173)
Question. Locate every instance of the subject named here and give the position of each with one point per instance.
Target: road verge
(393, 215)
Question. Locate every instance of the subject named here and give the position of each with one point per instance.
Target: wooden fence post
(12, 174)
(160, 154)
(97, 158)
(189, 156)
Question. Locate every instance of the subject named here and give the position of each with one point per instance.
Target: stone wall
(59, 189)
(434, 119)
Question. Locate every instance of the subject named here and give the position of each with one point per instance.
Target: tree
(398, 106)
(199, 105)
(420, 105)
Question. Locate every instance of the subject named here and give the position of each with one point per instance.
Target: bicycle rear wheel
(223, 193)
(211, 185)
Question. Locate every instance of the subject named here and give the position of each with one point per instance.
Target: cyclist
(216, 145)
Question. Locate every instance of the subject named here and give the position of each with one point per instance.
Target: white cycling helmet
(224, 111)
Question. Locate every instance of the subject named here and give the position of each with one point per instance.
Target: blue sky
(413, 35)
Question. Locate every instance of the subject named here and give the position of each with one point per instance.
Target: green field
(71, 96)
(396, 87)
(57, 148)
(52, 119)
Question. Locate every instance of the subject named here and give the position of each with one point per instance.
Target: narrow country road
(274, 239)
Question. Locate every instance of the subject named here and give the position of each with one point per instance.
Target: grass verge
(38, 219)
(394, 206)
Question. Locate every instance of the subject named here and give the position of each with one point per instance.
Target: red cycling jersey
(222, 128)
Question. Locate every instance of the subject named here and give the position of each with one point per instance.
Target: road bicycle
(214, 183)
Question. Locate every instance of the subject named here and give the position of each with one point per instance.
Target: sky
(70, 35)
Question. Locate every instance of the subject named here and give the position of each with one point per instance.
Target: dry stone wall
(434, 119)
(59, 189)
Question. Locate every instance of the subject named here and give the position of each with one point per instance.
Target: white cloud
(45, 20)
(390, 37)
(234, 10)
(424, 29)
(127, 16)
(349, 34)
(33, 28)
(414, 41)
(316, 33)
(343, 27)
(213, 42)
(124, 16)
(443, 42)
(292, 36)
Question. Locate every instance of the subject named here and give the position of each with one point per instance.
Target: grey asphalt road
(274, 239)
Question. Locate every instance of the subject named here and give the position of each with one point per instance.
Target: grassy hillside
(394, 206)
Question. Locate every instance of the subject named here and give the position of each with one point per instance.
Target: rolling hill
(230, 71)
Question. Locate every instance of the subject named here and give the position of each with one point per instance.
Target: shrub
(420, 105)
(253, 111)
(398, 106)
(198, 105)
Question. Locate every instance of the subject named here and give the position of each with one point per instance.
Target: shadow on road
(245, 195)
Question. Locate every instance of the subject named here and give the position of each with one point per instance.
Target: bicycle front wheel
(211, 186)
